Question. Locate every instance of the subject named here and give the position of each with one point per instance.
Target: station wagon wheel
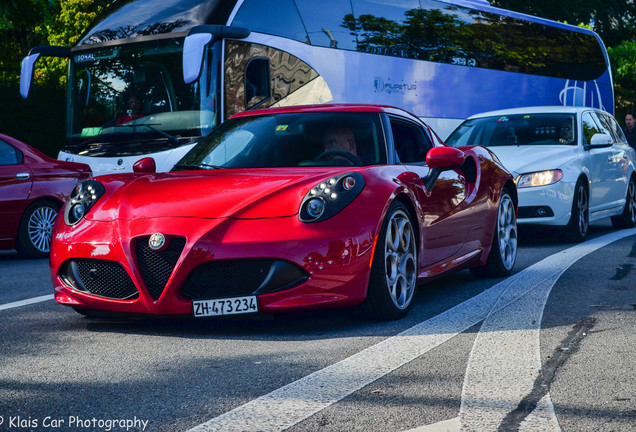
(503, 252)
(34, 234)
(394, 270)
(627, 219)
(576, 229)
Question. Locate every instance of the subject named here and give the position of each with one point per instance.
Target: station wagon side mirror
(601, 140)
(441, 159)
(28, 64)
(146, 165)
(197, 39)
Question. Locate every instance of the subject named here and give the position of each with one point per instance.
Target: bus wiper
(197, 166)
(174, 142)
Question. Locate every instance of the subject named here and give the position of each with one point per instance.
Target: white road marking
(26, 302)
(505, 360)
(305, 397)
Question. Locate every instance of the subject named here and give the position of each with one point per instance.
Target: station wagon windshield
(516, 130)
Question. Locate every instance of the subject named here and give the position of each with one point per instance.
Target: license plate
(226, 306)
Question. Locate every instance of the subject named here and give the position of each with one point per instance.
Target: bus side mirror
(145, 165)
(197, 39)
(28, 63)
(26, 74)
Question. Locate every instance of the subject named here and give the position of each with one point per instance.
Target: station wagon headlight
(83, 197)
(541, 178)
(329, 197)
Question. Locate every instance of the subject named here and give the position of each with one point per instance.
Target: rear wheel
(576, 229)
(503, 253)
(628, 218)
(394, 269)
(34, 234)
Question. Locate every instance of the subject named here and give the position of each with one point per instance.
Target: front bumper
(289, 265)
(557, 197)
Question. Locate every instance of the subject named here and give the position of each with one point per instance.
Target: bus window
(257, 83)
(277, 17)
(325, 23)
(291, 81)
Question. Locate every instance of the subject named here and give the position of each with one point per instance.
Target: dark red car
(287, 209)
(33, 187)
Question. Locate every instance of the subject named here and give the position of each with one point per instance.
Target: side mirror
(145, 165)
(601, 140)
(197, 39)
(28, 63)
(441, 159)
(445, 158)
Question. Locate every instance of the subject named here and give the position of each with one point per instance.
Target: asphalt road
(551, 348)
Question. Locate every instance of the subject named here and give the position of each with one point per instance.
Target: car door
(15, 187)
(441, 228)
(617, 163)
(602, 177)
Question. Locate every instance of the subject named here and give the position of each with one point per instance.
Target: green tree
(65, 29)
(623, 61)
(20, 29)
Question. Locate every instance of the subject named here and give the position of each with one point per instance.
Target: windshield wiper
(197, 166)
(174, 142)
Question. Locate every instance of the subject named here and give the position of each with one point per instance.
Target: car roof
(551, 109)
(330, 108)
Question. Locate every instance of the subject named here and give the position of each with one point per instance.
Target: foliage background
(40, 120)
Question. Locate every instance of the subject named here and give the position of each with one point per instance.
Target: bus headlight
(329, 197)
(540, 178)
(83, 197)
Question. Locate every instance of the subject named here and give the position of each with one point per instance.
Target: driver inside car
(341, 139)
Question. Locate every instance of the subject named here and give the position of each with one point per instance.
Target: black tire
(577, 227)
(503, 253)
(394, 270)
(627, 219)
(34, 233)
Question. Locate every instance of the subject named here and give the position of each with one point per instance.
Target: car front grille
(157, 266)
(99, 277)
(241, 277)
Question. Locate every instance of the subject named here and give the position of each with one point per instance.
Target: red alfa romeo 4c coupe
(287, 209)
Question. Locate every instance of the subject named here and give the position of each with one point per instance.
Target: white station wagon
(572, 164)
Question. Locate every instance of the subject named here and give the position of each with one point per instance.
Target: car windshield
(516, 130)
(291, 140)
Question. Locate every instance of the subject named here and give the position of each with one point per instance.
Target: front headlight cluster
(83, 197)
(329, 197)
(541, 178)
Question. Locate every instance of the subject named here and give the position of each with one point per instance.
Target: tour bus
(151, 77)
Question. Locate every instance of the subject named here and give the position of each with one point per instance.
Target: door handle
(23, 176)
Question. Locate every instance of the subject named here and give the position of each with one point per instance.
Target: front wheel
(627, 219)
(576, 229)
(394, 269)
(503, 253)
(34, 234)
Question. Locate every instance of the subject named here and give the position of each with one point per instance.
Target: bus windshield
(123, 96)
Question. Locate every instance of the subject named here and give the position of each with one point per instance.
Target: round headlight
(78, 211)
(315, 207)
(348, 183)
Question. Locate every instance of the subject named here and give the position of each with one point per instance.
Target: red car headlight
(83, 197)
(329, 197)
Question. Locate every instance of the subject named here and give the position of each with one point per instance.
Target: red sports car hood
(248, 194)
